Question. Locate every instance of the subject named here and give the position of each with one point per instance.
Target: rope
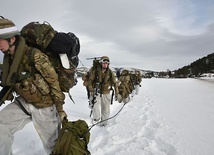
(81, 63)
(107, 118)
(104, 120)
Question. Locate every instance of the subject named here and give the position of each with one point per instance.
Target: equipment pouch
(66, 78)
(28, 91)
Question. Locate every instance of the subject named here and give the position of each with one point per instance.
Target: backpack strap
(4, 93)
(30, 55)
(10, 69)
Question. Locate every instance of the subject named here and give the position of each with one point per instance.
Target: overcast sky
(147, 34)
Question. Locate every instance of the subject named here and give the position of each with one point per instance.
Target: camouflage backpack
(125, 76)
(125, 87)
(73, 139)
(53, 43)
(95, 66)
(96, 63)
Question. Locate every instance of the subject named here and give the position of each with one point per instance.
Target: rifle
(93, 101)
(112, 95)
(94, 58)
(4, 94)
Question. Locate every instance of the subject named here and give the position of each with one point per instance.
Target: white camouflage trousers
(13, 119)
(136, 90)
(101, 109)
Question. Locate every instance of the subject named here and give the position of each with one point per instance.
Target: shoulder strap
(98, 74)
(106, 75)
(10, 71)
(30, 55)
(4, 93)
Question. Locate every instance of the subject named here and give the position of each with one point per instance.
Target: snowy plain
(167, 117)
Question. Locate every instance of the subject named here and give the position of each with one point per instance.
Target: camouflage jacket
(85, 79)
(38, 83)
(104, 81)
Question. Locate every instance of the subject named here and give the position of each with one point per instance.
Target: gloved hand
(90, 105)
(92, 94)
(62, 115)
(119, 98)
(116, 97)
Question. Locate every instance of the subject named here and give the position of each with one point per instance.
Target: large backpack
(73, 139)
(126, 86)
(53, 43)
(96, 63)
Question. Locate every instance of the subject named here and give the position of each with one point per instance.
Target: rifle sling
(4, 94)
(22, 107)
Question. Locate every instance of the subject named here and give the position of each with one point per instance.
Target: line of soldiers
(129, 84)
(124, 86)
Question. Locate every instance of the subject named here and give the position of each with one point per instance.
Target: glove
(62, 115)
(116, 97)
(90, 105)
(92, 94)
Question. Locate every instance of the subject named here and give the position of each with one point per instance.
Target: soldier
(100, 83)
(85, 79)
(38, 95)
(138, 81)
(125, 87)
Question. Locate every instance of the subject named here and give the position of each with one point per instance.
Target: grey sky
(147, 34)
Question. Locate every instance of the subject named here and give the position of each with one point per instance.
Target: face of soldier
(7, 47)
(4, 46)
(105, 65)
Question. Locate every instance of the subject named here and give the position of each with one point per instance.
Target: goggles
(105, 61)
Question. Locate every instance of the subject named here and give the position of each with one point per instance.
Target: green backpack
(52, 43)
(96, 63)
(73, 139)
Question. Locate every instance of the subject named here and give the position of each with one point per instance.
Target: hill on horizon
(198, 67)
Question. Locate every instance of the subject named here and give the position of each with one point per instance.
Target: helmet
(137, 72)
(7, 28)
(104, 59)
(124, 72)
(132, 72)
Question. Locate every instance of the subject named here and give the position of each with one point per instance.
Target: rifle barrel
(94, 58)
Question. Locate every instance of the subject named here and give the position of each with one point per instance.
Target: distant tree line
(198, 67)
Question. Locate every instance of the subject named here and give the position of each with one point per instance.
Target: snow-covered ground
(168, 117)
